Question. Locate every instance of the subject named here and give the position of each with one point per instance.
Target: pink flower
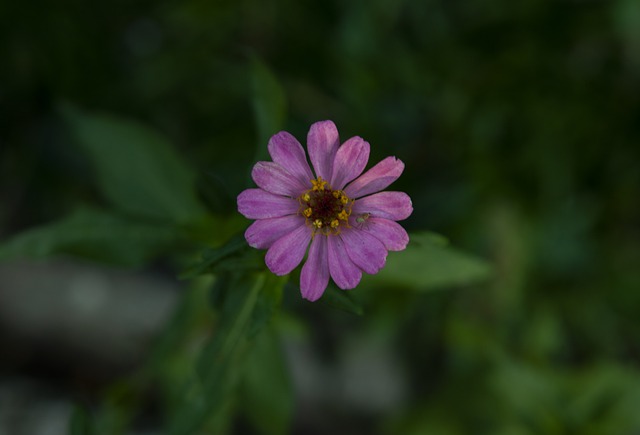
(340, 212)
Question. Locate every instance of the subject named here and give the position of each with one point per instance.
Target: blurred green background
(128, 128)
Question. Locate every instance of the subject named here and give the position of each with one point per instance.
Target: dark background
(519, 123)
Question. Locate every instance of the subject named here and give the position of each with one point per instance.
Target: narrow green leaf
(217, 367)
(96, 235)
(267, 393)
(219, 289)
(428, 263)
(268, 303)
(221, 361)
(342, 300)
(234, 255)
(137, 169)
(269, 105)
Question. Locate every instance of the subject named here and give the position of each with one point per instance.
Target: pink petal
(390, 233)
(350, 161)
(376, 179)
(286, 151)
(288, 251)
(388, 205)
(366, 252)
(260, 204)
(345, 274)
(315, 272)
(322, 144)
(264, 232)
(275, 179)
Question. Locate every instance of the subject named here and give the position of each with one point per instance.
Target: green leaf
(268, 303)
(267, 393)
(122, 399)
(342, 300)
(428, 263)
(605, 399)
(234, 255)
(269, 105)
(96, 235)
(220, 363)
(80, 422)
(137, 169)
(215, 195)
(529, 393)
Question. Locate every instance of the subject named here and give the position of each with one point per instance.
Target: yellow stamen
(318, 184)
(324, 209)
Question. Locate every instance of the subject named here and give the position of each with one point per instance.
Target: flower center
(325, 209)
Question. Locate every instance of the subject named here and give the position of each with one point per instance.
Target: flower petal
(388, 205)
(288, 251)
(275, 179)
(264, 232)
(315, 272)
(350, 161)
(260, 204)
(286, 151)
(345, 274)
(366, 252)
(375, 179)
(390, 233)
(322, 143)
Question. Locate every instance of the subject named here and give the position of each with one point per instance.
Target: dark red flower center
(324, 208)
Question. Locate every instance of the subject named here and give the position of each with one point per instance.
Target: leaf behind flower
(428, 263)
(137, 169)
(94, 234)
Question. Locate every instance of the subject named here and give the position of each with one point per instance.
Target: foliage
(126, 133)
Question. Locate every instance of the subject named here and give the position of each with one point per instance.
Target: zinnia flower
(340, 213)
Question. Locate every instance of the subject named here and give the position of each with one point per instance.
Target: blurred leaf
(606, 399)
(221, 361)
(96, 235)
(215, 194)
(219, 289)
(267, 393)
(122, 400)
(342, 300)
(234, 255)
(427, 418)
(80, 422)
(137, 169)
(269, 105)
(268, 303)
(192, 311)
(529, 393)
(427, 264)
(626, 18)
